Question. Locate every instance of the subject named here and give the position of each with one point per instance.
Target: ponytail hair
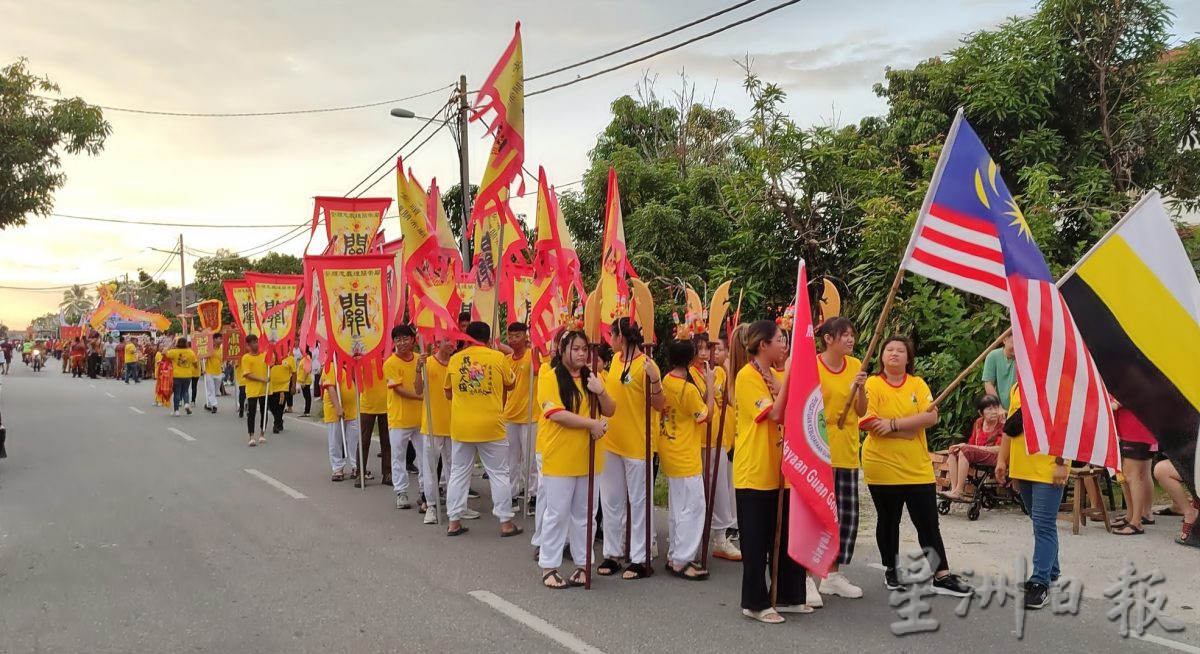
(680, 355)
(632, 334)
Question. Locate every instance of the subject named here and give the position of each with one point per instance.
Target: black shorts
(1136, 451)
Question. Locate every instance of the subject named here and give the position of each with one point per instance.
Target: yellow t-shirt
(1021, 464)
(346, 387)
(130, 353)
(254, 364)
(896, 461)
(564, 450)
(281, 375)
(729, 430)
(403, 412)
(543, 373)
(375, 395)
(844, 443)
(304, 374)
(439, 406)
(476, 377)
(627, 428)
(679, 440)
(516, 407)
(214, 363)
(757, 452)
(183, 360)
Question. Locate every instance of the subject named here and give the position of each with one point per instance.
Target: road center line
(180, 434)
(110, 395)
(518, 614)
(1167, 642)
(137, 410)
(288, 490)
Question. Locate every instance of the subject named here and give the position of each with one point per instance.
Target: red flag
(813, 536)
(615, 269)
(355, 300)
(275, 302)
(241, 305)
(504, 93)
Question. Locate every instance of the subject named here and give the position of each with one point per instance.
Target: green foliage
(76, 302)
(34, 132)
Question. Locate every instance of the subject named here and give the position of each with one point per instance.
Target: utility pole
(182, 290)
(128, 291)
(464, 168)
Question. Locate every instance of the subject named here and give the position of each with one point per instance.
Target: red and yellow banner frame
(355, 299)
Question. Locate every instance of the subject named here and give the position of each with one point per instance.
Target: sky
(271, 55)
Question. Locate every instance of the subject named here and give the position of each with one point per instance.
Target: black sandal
(515, 531)
(458, 532)
(639, 572)
(608, 567)
(1128, 530)
(575, 584)
(699, 574)
(559, 583)
(1168, 511)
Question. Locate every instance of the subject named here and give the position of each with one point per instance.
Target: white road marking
(110, 395)
(136, 410)
(92, 385)
(564, 638)
(302, 421)
(295, 494)
(180, 434)
(1167, 642)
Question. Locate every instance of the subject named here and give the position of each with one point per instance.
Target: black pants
(921, 500)
(317, 384)
(241, 399)
(275, 403)
(367, 422)
(756, 511)
(255, 406)
(306, 390)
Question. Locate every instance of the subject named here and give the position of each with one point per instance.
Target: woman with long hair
(760, 397)
(842, 375)
(631, 377)
(896, 464)
(981, 449)
(687, 410)
(724, 513)
(568, 399)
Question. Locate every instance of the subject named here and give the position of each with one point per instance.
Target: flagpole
(710, 491)
(430, 459)
(337, 390)
(496, 282)
(531, 443)
(593, 406)
(943, 158)
(971, 366)
(362, 470)
(649, 351)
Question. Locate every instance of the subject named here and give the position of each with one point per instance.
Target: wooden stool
(1086, 479)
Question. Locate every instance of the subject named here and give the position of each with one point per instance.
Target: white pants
(623, 479)
(436, 447)
(494, 455)
(521, 438)
(338, 458)
(212, 383)
(400, 437)
(686, 520)
(724, 506)
(565, 520)
(538, 511)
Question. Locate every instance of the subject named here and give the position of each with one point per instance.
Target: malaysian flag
(971, 235)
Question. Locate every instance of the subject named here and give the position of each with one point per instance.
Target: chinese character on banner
(210, 315)
(276, 298)
(241, 306)
(350, 223)
(232, 345)
(202, 343)
(355, 299)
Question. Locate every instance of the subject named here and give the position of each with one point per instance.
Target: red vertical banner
(355, 299)
(241, 306)
(276, 299)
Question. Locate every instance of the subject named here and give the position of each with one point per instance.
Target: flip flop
(700, 575)
(1128, 530)
(515, 531)
(608, 568)
(458, 532)
(1169, 512)
(560, 585)
(575, 584)
(639, 572)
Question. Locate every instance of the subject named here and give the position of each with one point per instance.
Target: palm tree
(75, 303)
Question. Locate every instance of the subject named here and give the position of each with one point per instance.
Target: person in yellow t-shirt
(630, 378)
(544, 372)
(405, 402)
(1040, 479)
(131, 362)
(520, 423)
(567, 397)
(254, 380)
(213, 366)
(897, 467)
(304, 378)
(759, 398)
(283, 383)
(476, 381)
(339, 402)
(435, 429)
(193, 379)
(842, 375)
(183, 360)
(716, 456)
(686, 410)
(373, 411)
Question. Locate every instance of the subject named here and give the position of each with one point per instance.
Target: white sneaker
(837, 584)
(810, 592)
(175, 413)
(470, 514)
(402, 501)
(430, 517)
(723, 548)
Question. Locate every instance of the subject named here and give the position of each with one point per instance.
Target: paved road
(119, 535)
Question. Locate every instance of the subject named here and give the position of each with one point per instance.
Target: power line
(389, 172)
(392, 157)
(151, 223)
(656, 53)
(255, 114)
(642, 42)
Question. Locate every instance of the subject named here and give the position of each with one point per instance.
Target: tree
(76, 303)
(34, 132)
(3, 330)
(279, 264)
(452, 200)
(149, 293)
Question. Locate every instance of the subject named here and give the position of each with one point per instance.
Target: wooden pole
(593, 409)
(966, 371)
(878, 334)
(531, 443)
(710, 491)
(649, 351)
(431, 503)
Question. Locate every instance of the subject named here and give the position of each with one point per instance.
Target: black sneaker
(471, 494)
(412, 470)
(1037, 595)
(952, 584)
(891, 580)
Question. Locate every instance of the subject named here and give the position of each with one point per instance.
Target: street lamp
(463, 164)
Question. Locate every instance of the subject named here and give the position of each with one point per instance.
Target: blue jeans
(131, 372)
(181, 388)
(1043, 501)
